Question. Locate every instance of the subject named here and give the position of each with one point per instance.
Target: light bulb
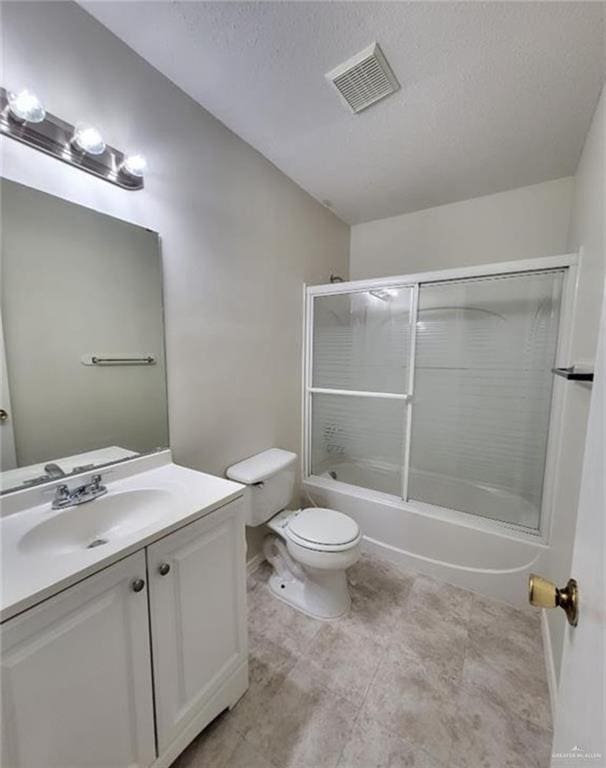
(26, 106)
(89, 140)
(134, 165)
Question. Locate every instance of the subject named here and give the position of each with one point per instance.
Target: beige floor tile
(269, 665)
(438, 643)
(419, 674)
(245, 756)
(414, 700)
(379, 594)
(430, 598)
(495, 613)
(490, 735)
(273, 619)
(346, 660)
(304, 725)
(374, 618)
(441, 655)
(511, 691)
(371, 746)
(371, 576)
(506, 638)
(215, 746)
(434, 630)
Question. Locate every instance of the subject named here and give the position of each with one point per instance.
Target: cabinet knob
(138, 585)
(163, 569)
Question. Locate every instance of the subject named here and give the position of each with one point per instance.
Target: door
(580, 732)
(76, 676)
(198, 615)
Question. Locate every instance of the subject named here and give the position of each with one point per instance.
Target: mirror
(82, 363)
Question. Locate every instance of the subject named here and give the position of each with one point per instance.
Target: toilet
(308, 549)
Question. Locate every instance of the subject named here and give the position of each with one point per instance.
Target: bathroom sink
(45, 550)
(97, 522)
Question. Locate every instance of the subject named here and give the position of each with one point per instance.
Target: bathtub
(482, 554)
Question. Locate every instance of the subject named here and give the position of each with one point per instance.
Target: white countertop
(28, 577)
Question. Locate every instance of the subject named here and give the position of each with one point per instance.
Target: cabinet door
(76, 676)
(198, 615)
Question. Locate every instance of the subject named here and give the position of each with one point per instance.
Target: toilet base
(318, 600)
(322, 594)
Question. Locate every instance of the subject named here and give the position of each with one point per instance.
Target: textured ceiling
(494, 95)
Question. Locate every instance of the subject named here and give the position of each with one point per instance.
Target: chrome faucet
(83, 493)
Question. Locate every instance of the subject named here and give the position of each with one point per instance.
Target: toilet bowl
(309, 549)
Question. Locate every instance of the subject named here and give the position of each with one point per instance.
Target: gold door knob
(545, 594)
(3, 415)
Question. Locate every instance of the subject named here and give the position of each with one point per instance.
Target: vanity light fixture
(26, 107)
(134, 165)
(23, 118)
(88, 139)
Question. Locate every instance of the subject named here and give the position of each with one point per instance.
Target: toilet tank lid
(261, 466)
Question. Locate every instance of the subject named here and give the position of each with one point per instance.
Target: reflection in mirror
(82, 364)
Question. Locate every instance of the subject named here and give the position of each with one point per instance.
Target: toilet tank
(270, 477)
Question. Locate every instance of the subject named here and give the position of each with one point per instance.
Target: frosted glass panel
(483, 381)
(362, 340)
(359, 440)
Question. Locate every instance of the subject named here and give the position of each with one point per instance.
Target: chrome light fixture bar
(65, 142)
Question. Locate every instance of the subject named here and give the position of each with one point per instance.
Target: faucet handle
(96, 485)
(61, 497)
(93, 484)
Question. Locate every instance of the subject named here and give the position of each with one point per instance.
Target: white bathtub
(478, 553)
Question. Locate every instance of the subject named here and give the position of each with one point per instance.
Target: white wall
(587, 236)
(238, 237)
(518, 224)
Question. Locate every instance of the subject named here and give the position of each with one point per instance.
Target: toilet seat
(322, 530)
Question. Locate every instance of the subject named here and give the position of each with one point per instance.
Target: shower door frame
(405, 397)
(568, 262)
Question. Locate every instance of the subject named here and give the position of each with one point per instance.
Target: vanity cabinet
(126, 667)
(76, 676)
(198, 619)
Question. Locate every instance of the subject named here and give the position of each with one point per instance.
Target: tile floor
(419, 674)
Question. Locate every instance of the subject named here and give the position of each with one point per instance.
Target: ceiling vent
(364, 79)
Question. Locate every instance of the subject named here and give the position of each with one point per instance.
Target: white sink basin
(98, 522)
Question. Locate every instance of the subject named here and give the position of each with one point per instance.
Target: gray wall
(238, 237)
(75, 281)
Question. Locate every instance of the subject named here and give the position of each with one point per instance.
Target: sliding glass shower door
(437, 392)
(360, 385)
(484, 353)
